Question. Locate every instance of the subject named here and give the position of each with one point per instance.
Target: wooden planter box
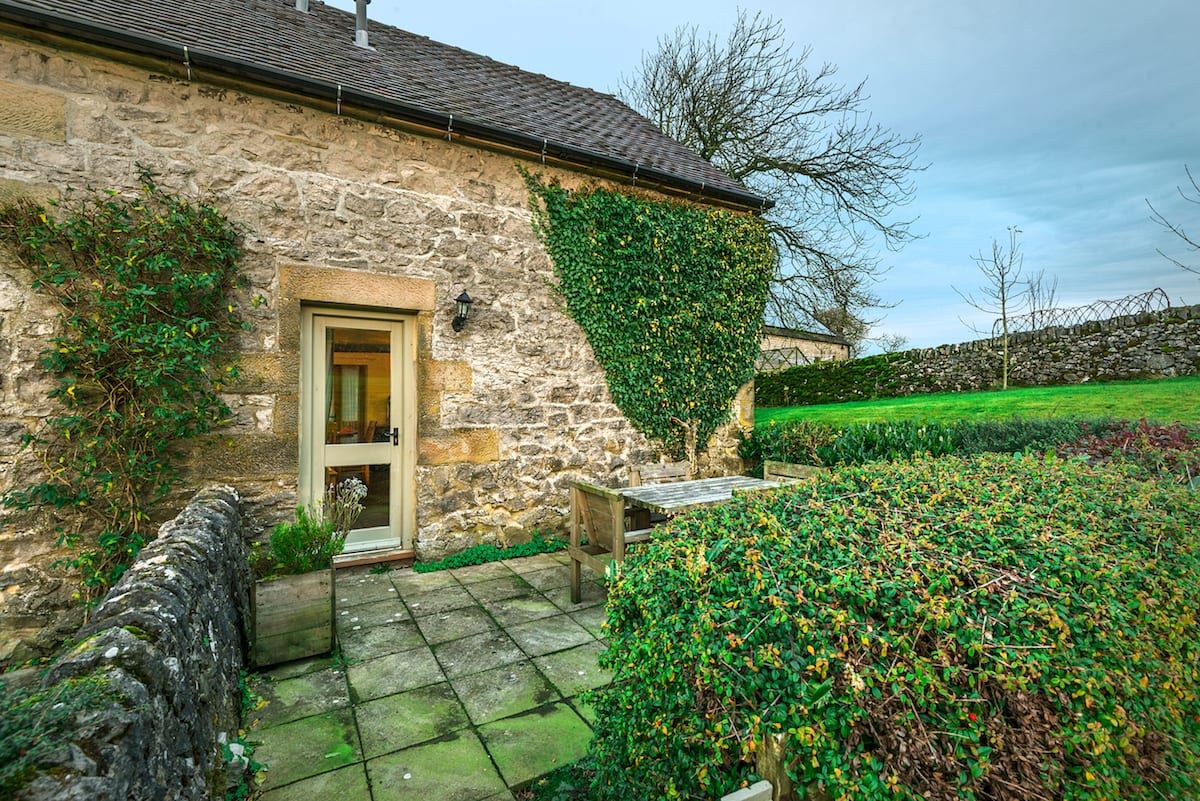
(292, 618)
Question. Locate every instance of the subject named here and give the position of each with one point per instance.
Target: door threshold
(377, 556)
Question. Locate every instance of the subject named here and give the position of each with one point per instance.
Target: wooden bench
(645, 475)
(787, 473)
(598, 514)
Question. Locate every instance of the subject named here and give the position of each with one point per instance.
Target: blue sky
(1061, 117)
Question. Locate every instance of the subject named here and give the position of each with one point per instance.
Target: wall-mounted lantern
(462, 310)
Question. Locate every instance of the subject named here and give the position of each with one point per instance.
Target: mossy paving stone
(455, 624)
(576, 670)
(375, 641)
(529, 564)
(299, 697)
(586, 709)
(498, 589)
(454, 768)
(438, 601)
(375, 613)
(409, 582)
(591, 594)
(536, 742)
(592, 618)
(503, 691)
(398, 721)
(345, 784)
(522, 609)
(351, 591)
(394, 673)
(549, 634)
(476, 573)
(307, 747)
(290, 670)
(477, 653)
(550, 578)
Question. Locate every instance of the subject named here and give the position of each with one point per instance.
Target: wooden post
(576, 579)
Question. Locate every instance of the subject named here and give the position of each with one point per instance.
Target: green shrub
(806, 442)
(997, 628)
(831, 382)
(318, 535)
(481, 554)
(36, 723)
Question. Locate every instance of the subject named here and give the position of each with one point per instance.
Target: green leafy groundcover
(997, 628)
(809, 442)
(670, 295)
(481, 554)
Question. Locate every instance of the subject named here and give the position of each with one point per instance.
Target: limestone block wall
(169, 641)
(511, 409)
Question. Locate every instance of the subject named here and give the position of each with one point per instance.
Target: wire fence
(1037, 319)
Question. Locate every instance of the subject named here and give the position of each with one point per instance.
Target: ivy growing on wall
(670, 296)
(143, 346)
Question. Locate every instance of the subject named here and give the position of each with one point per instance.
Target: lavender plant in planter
(292, 610)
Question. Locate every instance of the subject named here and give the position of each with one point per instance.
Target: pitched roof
(270, 41)
(816, 333)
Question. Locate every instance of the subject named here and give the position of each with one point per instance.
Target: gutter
(191, 58)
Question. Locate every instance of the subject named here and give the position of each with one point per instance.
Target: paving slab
(550, 578)
(372, 613)
(394, 673)
(350, 590)
(455, 624)
(455, 768)
(591, 594)
(592, 618)
(504, 691)
(289, 670)
(522, 609)
(549, 634)
(301, 696)
(409, 582)
(534, 743)
(562, 557)
(476, 573)
(499, 588)
(477, 653)
(344, 784)
(398, 721)
(585, 708)
(360, 644)
(576, 670)
(438, 601)
(307, 747)
(528, 564)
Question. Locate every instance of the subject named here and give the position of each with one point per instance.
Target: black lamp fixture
(462, 308)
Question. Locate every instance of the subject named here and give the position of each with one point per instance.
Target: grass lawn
(1166, 400)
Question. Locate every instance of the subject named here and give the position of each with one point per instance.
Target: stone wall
(1162, 344)
(335, 209)
(169, 640)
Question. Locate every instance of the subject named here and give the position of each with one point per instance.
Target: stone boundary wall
(1160, 344)
(170, 640)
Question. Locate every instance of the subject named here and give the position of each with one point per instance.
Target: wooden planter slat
(293, 618)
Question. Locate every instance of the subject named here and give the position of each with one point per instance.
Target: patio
(461, 684)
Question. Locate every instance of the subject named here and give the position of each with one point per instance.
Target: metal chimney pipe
(302, 5)
(360, 24)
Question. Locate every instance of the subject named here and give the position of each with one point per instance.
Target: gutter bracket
(636, 168)
(545, 144)
(450, 129)
(187, 62)
(339, 100)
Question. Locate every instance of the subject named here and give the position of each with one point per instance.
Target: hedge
(808, 442)
(831, 381)
(995, 628)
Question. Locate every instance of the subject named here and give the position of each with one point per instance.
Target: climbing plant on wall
(670, 296)
(143, 346)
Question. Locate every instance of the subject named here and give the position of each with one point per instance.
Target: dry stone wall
(510, 409)
(169, 641)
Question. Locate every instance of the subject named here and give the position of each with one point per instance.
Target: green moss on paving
(533, 744)
(307, 747)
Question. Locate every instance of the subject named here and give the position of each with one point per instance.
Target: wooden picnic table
(598, 514)
(682, 496)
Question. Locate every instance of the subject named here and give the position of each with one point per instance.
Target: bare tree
(1189, 241)
(890, 343)
(756, 109)
(1001, 294)
(1041, 298)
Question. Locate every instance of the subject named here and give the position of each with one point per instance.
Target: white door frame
(316, 455)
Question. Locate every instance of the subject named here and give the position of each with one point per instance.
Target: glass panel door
(357, 376)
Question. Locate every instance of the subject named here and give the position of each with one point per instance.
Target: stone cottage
(376, 175)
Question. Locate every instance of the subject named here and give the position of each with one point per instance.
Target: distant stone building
(788, 347)
(376, 184)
